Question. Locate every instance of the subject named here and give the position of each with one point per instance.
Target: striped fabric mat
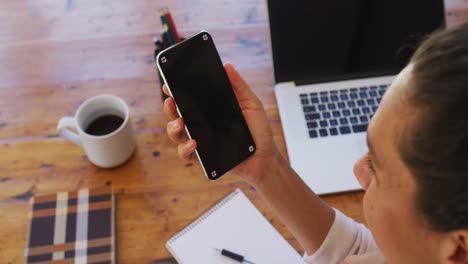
(72, 227)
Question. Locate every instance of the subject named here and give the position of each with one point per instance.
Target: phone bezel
(158, 57)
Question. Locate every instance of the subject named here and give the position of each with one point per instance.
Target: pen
(172, 25)
(167, 28)
(233, 255)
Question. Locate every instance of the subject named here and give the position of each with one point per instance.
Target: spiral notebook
(234, 224)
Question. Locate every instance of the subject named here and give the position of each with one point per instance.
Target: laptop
(333, 61)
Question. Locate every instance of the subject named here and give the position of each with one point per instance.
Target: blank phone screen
(195, 75)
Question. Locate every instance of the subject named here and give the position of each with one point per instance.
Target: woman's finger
(186, 150)
(165, 90)
(170, 109)
(242, 90)
(176, 132)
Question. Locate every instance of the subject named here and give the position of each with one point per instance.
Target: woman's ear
(454, 249)
(362, 172)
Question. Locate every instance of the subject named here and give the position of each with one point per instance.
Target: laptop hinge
(344, 77)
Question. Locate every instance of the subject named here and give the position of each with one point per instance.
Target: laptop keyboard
(341, 112)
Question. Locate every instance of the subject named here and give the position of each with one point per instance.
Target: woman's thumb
(240, 87)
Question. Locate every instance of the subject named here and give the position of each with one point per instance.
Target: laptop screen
(315, 41)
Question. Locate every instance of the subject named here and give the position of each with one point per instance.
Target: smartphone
(195, 77)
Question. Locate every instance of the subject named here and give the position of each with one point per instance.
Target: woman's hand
(275, 181)
(256, 119)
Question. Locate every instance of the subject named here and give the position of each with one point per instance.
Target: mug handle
(62, 127)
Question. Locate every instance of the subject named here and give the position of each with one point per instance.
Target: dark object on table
(160, 46)
(170, 36)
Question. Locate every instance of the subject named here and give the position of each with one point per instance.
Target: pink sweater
(346, 237)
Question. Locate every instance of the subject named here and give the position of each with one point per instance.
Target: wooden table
(55, 54)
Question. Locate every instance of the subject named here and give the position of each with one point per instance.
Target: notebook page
(234, 224)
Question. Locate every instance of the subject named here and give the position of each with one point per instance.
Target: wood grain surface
(56, 54)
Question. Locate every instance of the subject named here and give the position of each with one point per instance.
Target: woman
(415, 173)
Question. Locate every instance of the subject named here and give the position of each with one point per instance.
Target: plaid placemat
(72, 227)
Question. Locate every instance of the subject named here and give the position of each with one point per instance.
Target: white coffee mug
(108, 150)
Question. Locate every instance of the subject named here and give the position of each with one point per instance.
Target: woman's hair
(436, 147)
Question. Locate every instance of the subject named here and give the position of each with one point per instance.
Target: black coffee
(104, 125)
